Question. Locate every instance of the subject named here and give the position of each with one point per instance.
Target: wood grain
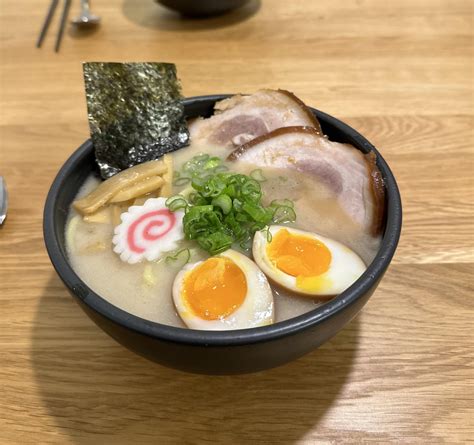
(402, 372)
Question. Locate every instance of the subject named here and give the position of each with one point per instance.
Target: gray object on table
(47, 21)
(86, 18)
(62, 24)
(3, 200)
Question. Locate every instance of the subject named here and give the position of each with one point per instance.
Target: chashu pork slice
(241, 118)
(351, 175)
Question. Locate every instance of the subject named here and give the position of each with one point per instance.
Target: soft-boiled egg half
(305, 262)
(226, 291)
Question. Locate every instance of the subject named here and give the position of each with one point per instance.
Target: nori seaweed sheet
(135, 113)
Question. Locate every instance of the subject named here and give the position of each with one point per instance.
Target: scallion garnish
(224, 202)
(225, 208)
(282, 202)
(257, 175)
(183, 255)
(269, 234)
(176, 202)
(221, 168)
(179, 182)
(283, 214)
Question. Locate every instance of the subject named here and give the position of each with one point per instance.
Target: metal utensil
(3, 200)
(62, 24)
(46, 23)
(86, 18)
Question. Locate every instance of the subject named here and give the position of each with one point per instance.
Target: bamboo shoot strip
(111, 187)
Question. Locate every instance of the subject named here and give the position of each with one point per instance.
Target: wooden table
(399, 72)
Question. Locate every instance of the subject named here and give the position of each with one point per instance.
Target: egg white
(344, 269)
(257, 308)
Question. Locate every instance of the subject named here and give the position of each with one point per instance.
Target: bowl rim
(148, 328)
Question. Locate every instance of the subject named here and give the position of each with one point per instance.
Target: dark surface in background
(202, 8)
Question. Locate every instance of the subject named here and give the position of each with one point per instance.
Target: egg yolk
(298, 255)
(215, 288)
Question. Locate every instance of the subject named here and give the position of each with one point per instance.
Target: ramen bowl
(219, 352)
(202, 8)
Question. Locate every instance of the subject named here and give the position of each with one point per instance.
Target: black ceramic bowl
(202, 8)
(224, 352)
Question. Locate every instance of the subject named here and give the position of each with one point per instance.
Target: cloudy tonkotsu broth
(89, 245)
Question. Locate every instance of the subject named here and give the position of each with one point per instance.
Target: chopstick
(67, 5)
(46, 23)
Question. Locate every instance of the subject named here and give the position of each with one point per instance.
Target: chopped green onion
(257, 212)
(282, 202)
(176, 202)
(224, 202)
(283, 214)
(246, 244)
(225, 208)
(269, 234)
(183, 255)
(192, 196)
(197, 183)
(257, 175)
(179, 182)
(213, 187)
(237, 203)
(212, 163)
(201, 157)
(242, 217)
(216, 242)
(221, 168)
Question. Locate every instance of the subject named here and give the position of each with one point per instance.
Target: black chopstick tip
(62, 25)
(46, 23)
